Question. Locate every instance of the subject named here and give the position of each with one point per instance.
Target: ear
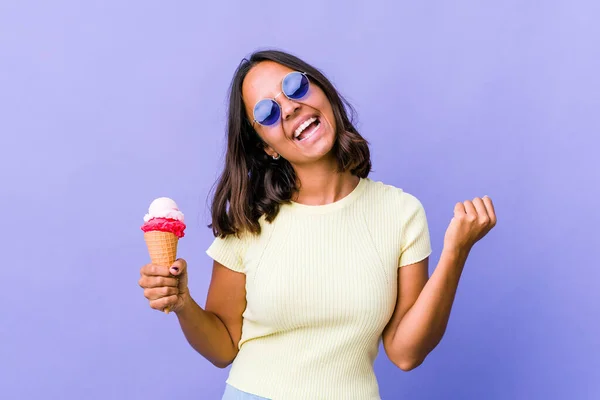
(270, 152)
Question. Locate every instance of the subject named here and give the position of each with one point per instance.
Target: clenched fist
(472, 221)
(165, 287)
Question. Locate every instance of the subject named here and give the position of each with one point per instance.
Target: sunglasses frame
(274, 99)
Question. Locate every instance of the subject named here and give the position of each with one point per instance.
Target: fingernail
(175, 269)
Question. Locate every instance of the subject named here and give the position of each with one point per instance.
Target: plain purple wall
(105, 105)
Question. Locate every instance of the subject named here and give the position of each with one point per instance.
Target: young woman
(314, 263)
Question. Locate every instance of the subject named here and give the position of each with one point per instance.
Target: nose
(288, 107)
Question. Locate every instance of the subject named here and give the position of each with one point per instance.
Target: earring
(277, 157)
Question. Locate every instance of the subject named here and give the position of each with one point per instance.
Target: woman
(314, 263)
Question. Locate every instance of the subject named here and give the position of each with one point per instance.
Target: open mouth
(307, 129)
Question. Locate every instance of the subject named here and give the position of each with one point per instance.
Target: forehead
(264, 80)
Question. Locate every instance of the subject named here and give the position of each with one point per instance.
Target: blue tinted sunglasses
(294, 86)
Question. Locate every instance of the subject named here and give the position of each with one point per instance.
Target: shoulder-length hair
(252, 184)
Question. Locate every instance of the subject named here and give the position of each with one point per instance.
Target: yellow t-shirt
(321, 284)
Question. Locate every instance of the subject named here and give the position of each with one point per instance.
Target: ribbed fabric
(321, 285)
(232, 393)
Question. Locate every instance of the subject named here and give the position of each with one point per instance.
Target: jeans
(232, 393)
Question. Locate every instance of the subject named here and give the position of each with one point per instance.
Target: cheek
(272, 136)
(328, 112)
(322, 104)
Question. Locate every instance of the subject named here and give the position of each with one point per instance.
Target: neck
(321, 184)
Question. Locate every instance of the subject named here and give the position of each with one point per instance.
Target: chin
(319, 154)
(315, 148)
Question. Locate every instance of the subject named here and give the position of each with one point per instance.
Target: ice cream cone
(162, 247)
(163, 227)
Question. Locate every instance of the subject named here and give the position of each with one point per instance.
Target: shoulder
(390, 209)
(230, 250)
(390, 196)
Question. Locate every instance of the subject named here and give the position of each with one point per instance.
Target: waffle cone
(162, 247)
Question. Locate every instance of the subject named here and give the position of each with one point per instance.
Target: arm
(215, 331)
(423, 305)
(421, 316)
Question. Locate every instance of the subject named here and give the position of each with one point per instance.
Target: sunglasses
(294, 86)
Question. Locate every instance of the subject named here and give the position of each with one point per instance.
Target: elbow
(405, 358)
(411, 359)
(221, 365)
(406, 361)
(222, 362)
(219, 362)
(408, 364)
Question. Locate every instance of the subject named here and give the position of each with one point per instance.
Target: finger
(163, 302)
(178, 267)
(481, 210)
(158, 293)
(459, 209)
(155, 270)
(148, 282)
(489, 205)
(470, 208)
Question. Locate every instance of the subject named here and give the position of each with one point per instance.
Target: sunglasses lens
(266, 112)
(295, 85)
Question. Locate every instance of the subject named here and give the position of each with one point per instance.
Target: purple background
(106, 105)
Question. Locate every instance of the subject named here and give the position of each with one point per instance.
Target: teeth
(302, 127)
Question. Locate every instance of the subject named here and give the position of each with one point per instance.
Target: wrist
(456, 252)
(186, 303)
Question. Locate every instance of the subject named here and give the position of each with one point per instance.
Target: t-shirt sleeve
(229, 251)
(415, 241)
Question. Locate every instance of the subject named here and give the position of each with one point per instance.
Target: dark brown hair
(253, 184)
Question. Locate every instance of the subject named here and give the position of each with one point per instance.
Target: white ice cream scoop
(163, 207)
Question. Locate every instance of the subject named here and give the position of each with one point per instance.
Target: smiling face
(306, 130)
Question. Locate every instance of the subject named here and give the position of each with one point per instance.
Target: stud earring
(277, 157)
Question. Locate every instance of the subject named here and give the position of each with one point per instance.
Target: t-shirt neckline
(336, 205)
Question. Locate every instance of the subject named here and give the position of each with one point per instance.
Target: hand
(165, 287)
(472, 221)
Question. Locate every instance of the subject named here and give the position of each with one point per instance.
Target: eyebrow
(278, 89)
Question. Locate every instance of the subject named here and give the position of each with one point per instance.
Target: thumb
(178, 267)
